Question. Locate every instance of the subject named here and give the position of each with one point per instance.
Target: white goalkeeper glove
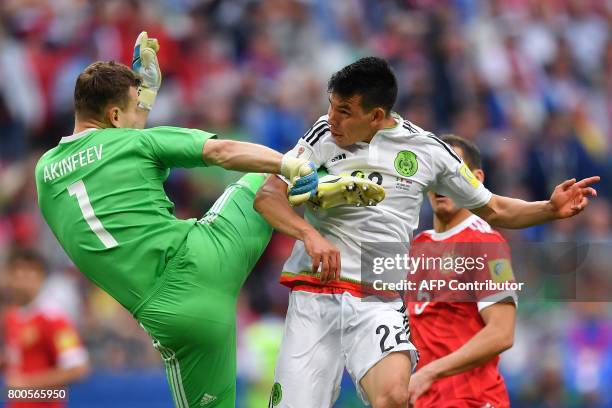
(145, 63)
(303, 179)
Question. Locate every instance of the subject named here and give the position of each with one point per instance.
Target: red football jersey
(439, 327)
(38, 339)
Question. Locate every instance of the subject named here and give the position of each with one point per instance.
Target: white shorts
(325, 333)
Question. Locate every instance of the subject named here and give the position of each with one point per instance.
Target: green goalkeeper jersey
(101, 192)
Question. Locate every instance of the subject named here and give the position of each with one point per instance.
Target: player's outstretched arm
(241, 156)
(251, 157)
(271, 202)
(568, 199)
(495, 337)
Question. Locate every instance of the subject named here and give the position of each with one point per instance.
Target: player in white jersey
(329, 325)
(405, 160)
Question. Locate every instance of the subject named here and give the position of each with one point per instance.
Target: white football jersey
(407, 161)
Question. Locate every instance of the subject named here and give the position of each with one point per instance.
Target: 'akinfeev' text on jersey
(407, 161)
(101, 192)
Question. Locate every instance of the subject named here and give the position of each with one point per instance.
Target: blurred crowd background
(530, 81)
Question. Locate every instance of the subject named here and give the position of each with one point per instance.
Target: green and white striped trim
(217, 207)
(318, 275)
(173, 372)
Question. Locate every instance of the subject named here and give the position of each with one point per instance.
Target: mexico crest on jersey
(406, 163)
(277, 394)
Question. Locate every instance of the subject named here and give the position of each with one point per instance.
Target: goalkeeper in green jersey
(101, 192)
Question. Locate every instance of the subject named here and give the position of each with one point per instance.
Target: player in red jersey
(459, 342)
(43, 349)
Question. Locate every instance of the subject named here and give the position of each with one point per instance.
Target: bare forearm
(242, 156)
(485, 345)
(271, 202)
(506, 212)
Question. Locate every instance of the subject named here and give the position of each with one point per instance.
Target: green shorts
(191, 313)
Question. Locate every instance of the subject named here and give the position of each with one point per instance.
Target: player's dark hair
(471, 152)
(369, 77)
(26, 255)
(101, 84)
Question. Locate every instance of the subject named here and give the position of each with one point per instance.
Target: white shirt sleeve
(496, 298)
(454, 179)
(309, 145)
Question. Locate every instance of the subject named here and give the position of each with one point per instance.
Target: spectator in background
(588, 347)
(43, 349)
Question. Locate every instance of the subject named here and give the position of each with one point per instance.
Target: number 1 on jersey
(78, 190)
